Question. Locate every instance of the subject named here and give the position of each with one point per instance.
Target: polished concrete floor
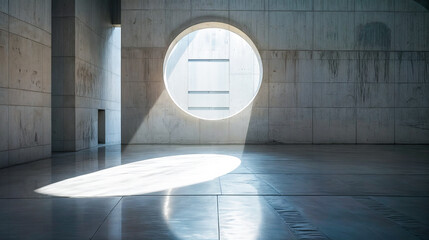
(276, 192)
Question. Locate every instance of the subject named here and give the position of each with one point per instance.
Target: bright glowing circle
(146, 176)
(212, 71)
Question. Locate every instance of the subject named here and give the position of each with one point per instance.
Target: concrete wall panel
(210, 5)
(25, 81)
(253, 24)
(412, 67)
(4, 128)
(333, 31)
(86, 75)
(411, 125)
(291, 125)
(4, 58)
(185, 129)
(212, 132)
(35, 12)
(130, 24)
(247, 5)
(290, 95)
(375, 67)
(63, 8)
(334, 5)
(374, 30)
(412, 95)
(334, 66)
(334, 125)
(290, 30)
(29, 31)
(4, 20)
(375, 125)
(375, 95)
(334, 71)
(334, 95)
(409, 6)
(379, 5)
(63, 41)
(4, 6)
(25, 64)
(301, 5)
(257, 129)
(289, 66)
(131, 4)
(413, 31)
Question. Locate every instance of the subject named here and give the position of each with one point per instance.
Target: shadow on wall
(373, 35)
(424, 3)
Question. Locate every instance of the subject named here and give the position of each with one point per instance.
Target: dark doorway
(101, 126)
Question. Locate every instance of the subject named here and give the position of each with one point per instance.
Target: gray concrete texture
(25, 81)
(335, 71)
(86, 73)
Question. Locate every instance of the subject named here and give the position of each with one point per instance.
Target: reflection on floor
(277, 192)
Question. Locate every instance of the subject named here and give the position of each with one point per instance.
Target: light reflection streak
(146, 176)
(166, 210)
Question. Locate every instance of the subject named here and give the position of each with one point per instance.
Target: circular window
(212, 71)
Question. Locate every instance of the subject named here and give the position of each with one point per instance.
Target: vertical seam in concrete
(394, 80)
(8, 80)
(191, 9)
(229, 12)
(229, 70)
(267, 58)
(312, 80)
(312, 30)
(312, 106)
(354, 80)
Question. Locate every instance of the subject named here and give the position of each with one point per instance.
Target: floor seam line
(269, 184)
(107, 216)
(218, 217)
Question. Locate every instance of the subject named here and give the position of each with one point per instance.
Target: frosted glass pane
(209, 43)
(240, 95)
(242, 56)
(208, 75)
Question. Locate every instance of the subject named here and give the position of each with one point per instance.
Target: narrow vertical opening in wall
(101, 126)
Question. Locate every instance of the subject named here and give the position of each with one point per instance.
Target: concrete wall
(335, 71)
(86, 74)
(25, 81)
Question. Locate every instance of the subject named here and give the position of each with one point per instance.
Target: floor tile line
(269, 184)
(218, 217)
(234, 194)
(107, 216)
(339, 174)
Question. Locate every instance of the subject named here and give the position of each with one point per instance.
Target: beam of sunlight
(161, 118)
(146, 176)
